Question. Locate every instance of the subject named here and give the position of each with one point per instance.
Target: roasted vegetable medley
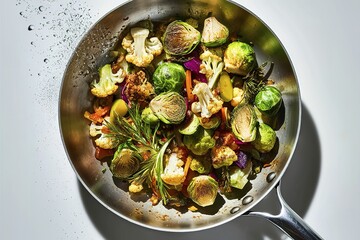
(184, 112)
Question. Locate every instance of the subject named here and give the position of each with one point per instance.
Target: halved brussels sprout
(268, 100)
(239, 58)
(203, 190)
(243, 122)
(168, 76)
(214, 33)
(180, 38)
(169, 107)
(265, 138)
(125, 163)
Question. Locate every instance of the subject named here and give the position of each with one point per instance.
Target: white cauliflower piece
(141, 51)
(173, 172)
(105, 141)
(211, 66)
(107, 83)
(238, 96)
(135, 187)
(208, 104)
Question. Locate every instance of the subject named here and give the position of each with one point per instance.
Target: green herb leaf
(141, 137)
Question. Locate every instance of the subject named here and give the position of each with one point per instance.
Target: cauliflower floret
(173, 172)
(211, 66)
(154, 46)
(135, 187)
(105, 140)
(208, 104)
(107, 84)
(141, 51)
(222, 156)
(238, 96)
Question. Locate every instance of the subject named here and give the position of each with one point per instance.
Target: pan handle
(288, 221)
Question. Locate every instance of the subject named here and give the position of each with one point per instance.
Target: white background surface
(40, 197)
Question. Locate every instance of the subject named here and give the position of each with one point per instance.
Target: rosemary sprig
(255, 81)
(134, 129)
(152, 169)
(158, 170)
(143, 138)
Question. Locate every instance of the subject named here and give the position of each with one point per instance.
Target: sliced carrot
(224, 117)
(189, 87)
(187, 165)
(98, 115)
(188, 174)
(266, 165)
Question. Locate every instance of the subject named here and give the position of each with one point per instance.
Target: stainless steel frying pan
(75, 99)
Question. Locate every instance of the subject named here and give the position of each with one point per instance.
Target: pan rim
(196, 228)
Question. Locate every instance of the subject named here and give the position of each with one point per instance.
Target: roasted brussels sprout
(168, 76)
(265, 138)
(201, 164)
(214, 33)
(125, 162)
(203, 190)
(243, 122)
(148, 116)
(169, 107)
(268, 100)
(200, 142)
(180, 38)
(239, 58)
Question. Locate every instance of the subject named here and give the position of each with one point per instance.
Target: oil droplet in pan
(234, 210)
(270, 177)
(247, 200)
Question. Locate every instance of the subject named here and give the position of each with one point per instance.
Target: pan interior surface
(75, 98)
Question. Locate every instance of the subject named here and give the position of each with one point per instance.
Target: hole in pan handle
(288, 220)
